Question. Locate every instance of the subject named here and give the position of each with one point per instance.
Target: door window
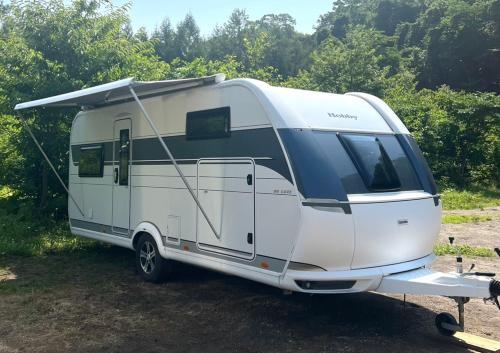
(124, 156)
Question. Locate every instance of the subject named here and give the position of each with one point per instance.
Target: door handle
(249, 179)
(116, 175)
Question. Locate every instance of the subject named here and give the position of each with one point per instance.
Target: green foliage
(365, 60)
(391, 48)
(21, 237)
(459, 40)
(459, 132)
(47, 48)
(470, 199)
(464, 250)
(452, 42)
(457, 219)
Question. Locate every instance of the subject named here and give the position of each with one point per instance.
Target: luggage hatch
(393, 227)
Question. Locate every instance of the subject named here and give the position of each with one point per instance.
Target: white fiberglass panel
(326, 238)
(226, 193)
(390, 232)
(329, 111)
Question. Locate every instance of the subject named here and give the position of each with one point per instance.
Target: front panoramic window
(372, 162)
(330, 164)
(207, 124)
(90, 164)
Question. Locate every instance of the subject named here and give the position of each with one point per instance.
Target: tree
(228, 39)
(187, 39)
(364, 61)
(49, 48)
(164, 38)
(459, 132)
(459, 42)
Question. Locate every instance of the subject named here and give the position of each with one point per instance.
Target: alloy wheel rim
(148, 257)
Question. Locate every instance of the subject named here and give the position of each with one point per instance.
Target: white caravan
(306, 191)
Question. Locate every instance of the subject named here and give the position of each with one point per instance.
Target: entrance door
(227, 194)
(122, 155)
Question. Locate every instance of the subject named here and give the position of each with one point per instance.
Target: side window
(124, 156)
(91, 162)
(208, 124)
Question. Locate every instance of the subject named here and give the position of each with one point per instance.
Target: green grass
(456, 219)
(469, 199)
(23, 238)
(465, 250)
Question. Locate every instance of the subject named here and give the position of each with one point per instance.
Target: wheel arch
(151, 229)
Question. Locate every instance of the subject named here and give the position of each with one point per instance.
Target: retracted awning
(118, 91)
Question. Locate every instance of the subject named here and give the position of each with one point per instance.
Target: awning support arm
(26, 126)
(174, 162)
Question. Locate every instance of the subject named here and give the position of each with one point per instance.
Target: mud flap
(427, 282)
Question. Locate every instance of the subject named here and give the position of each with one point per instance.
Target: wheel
(445, 318)
(149, 263)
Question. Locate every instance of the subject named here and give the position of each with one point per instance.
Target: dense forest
(436, 62)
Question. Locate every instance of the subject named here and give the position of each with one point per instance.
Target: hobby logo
(342, 116)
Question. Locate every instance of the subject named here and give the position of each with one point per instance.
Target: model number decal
(282, 191)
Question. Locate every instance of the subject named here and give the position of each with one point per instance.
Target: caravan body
(306, 191)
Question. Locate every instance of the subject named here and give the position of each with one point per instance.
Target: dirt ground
(94, 302)
(485, 234)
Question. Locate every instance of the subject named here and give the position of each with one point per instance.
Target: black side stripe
(255, 143)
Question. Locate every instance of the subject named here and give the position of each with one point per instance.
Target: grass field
(457, 219)
(469, 199)
(22, 238)
(464, 250)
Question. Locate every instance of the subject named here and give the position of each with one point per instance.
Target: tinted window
(371, 161)
(124, 156)
(420, 164)
(324, 169)
(91, 162)
(313, 164)
(400, 161)
(337, 157)
(206, 124)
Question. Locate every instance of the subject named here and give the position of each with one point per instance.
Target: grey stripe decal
(271, 263)
(210, 247)
(261, 143)
(101, 228)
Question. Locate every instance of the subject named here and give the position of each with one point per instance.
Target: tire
(448, 319)
(149, 263)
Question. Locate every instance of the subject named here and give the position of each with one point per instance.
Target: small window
(208, 124)
(91, 162)
(372, 161)
(124, 156)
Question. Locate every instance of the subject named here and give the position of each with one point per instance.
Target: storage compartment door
(389, 230)
(226, 192)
